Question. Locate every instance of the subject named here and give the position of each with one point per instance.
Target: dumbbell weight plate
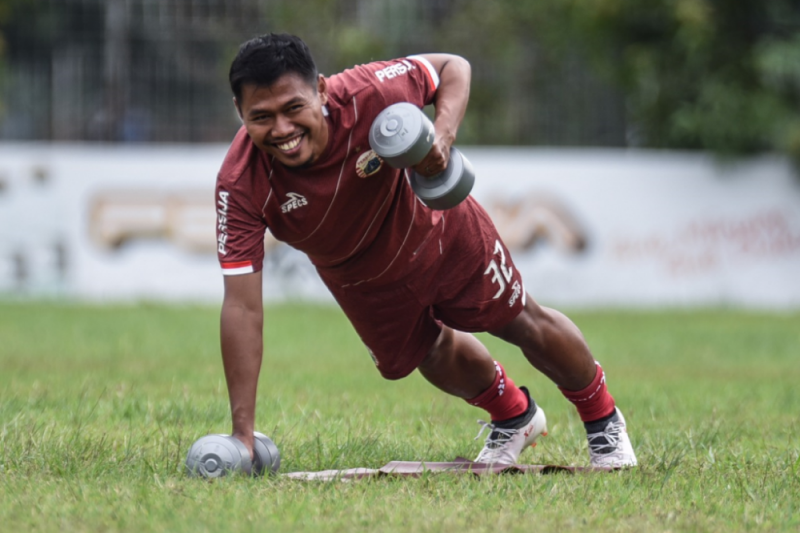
(449, 188)
(402, 135)
(214, 456)
(267, 456)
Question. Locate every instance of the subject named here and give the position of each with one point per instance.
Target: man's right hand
(241, 326)
(247, 441)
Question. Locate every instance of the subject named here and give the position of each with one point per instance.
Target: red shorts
(468, 282)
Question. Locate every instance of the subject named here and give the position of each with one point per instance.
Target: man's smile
(290, 145)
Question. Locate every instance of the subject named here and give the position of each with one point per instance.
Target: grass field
(98, 406)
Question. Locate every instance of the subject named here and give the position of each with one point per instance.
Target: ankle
(503, 400)
(596, 426)
(522, 418)
(593, 402)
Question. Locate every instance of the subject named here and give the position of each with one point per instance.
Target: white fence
(586, 227)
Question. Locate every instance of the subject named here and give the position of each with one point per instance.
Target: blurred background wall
(712, 79)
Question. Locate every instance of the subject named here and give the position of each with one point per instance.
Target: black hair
(264, 59)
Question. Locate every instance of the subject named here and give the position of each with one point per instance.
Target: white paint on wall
(585, 227)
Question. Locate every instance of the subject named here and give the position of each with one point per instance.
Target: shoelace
(608, 439)
(501, 437)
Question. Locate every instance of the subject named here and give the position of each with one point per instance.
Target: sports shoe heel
(612, 447)
(506, 440)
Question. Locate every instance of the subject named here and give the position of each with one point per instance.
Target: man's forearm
(452, 97)
(242, 349)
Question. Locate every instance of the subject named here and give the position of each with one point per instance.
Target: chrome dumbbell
(402, 135)
(215, 456)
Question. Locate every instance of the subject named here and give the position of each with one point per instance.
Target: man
(414, 282)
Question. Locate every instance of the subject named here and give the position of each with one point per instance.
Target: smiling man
(286, 118)
(414, 282)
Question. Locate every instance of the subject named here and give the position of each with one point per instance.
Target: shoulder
(238, 160)
(388, 81)
(242, 179)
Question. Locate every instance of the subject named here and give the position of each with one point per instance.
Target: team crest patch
(368, 164)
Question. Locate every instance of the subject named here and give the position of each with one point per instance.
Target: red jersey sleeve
(411, 79)
(240, 231)
(431, 75)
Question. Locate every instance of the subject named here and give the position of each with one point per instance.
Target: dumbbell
(215, 456)
(402, 135)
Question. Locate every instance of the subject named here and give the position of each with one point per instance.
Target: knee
(529, 329)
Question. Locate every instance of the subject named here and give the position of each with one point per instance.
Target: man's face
(285, 119)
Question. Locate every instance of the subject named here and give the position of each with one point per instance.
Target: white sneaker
(612, 446)
(507, 439)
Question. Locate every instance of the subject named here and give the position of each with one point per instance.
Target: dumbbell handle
(265, 458)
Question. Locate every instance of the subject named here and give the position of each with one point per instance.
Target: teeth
(290, 144)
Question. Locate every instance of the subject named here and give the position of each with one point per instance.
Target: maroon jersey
(356, 217)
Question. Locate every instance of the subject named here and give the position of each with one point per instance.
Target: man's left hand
(437, 159)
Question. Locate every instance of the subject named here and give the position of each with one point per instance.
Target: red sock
(503, 400)
(594, 402)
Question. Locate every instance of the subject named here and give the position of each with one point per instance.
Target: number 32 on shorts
(500, 274)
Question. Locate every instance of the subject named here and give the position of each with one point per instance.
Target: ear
(238, 109)
(322, 89)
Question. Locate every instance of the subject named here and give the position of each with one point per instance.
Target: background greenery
(99, 405)
(696, 74)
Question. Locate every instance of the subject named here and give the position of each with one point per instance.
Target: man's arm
(241, 326)
(451, 104)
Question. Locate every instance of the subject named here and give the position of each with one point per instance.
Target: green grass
(98, 406)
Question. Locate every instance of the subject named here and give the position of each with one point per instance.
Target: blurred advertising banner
(587, 228)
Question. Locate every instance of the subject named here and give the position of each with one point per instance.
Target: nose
(282, 127)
